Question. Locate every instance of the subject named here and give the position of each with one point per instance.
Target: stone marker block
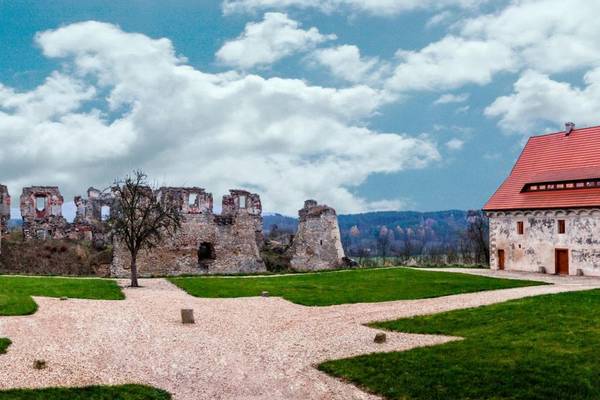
(380, 338)
(187, 316)
(579, 272)
(39, 364)
(265, 294)
(542, 270)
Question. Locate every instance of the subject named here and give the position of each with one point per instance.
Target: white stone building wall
(536, 247)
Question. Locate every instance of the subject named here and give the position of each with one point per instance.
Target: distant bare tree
(383, 242)
(139, 219)
(478, 235)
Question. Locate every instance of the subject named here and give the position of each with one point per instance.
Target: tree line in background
(447, 237)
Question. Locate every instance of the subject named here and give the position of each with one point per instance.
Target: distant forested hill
(393, 232)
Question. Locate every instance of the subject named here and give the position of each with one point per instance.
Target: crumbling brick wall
(317, 244)
(41, 210)
(206, 243)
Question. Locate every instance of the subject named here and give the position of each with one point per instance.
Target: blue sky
(271, 95)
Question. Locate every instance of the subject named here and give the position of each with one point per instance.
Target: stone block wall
(206, 243)
(41, 210)
(317, 244)
(536, 247)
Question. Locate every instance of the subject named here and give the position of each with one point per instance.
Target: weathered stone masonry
(41, 210)
(4, 208)
(4, 212)
(206, 243)
(317, 245)
(536, 247)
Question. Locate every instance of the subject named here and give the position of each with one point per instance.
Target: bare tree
(139, 219)
(478, 235)
(383, 242)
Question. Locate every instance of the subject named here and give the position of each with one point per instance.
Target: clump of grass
(4, 343)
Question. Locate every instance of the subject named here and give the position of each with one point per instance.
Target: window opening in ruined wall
(40, 203)
(104, 213)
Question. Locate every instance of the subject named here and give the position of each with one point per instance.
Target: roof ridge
(563, 132)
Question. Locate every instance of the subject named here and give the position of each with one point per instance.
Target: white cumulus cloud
(124, 100)
(450, 98)
(263, 43)
(345, 62)
(375, 7)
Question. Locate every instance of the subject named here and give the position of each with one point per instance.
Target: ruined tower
(317, 245)
(41, 209)
(4, 209)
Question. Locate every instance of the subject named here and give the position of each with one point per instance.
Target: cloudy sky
(361, 104)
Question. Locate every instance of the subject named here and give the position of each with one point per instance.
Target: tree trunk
(134, 273)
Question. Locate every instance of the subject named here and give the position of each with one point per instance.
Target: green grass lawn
(16, 292)
(124, 392)
(355, 286)
(545, 347)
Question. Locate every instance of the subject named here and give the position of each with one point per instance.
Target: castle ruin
(317, 245)
(206, 243)
(4, 209)
(41, 210)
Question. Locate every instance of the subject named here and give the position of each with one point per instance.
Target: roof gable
(554, 157)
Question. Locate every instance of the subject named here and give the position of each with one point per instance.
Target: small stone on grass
(265, 294)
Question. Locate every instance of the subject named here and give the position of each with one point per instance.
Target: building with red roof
(545, 217)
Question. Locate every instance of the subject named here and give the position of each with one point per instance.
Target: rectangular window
(242, 201)
(561, 226)
(520, 229)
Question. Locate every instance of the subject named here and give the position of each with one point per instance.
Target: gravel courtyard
(247, 348)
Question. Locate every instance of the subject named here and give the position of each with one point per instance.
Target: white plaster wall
(536, 247)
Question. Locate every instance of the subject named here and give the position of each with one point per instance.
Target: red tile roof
(551, 158)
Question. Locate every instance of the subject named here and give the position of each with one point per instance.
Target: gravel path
(248, 348)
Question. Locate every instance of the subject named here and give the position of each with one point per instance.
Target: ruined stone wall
(317, 244)
(536, 247)
(4, 212)
(206, 243)
(41, 210)
(4, 209)
(89, 222)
